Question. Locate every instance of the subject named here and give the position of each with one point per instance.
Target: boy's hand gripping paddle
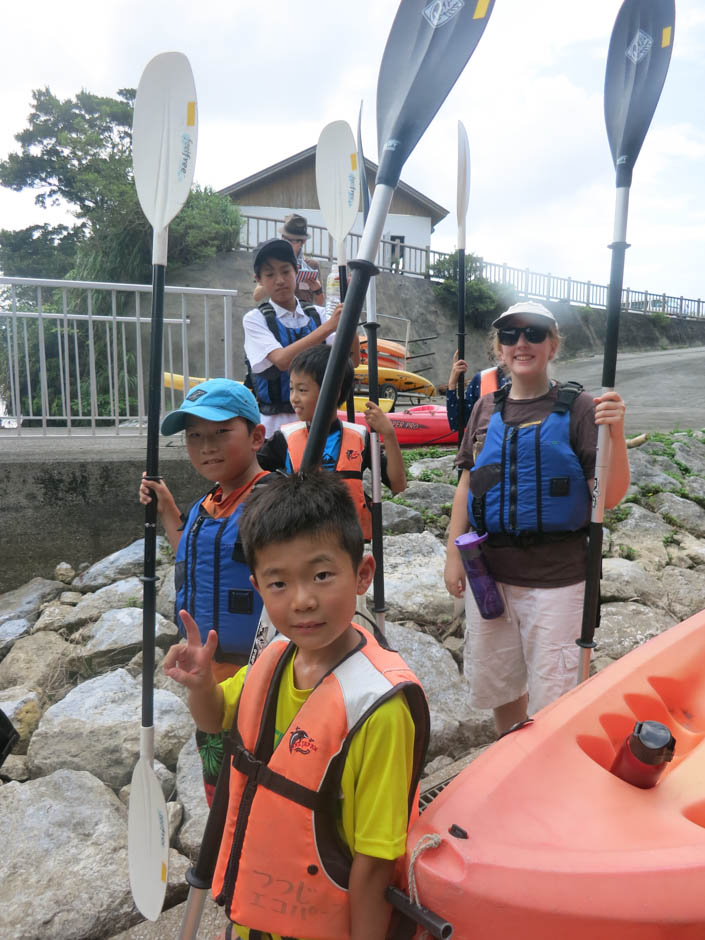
(338, 190)
(461, 212)
(637, 63)
(427, 49)
(164, 136)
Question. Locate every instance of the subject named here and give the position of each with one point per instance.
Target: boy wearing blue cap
(223, 433)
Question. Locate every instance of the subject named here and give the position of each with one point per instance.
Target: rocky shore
(70, 666)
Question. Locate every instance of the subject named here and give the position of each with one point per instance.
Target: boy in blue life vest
(329, 729)
(223, 435)
(280, 328)
(347, 450)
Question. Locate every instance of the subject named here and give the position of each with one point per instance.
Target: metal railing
(416, 261)
(74, 354)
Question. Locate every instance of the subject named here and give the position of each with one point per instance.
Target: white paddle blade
(463, 182)
(337, 179)
(147, 841)
(164, 137)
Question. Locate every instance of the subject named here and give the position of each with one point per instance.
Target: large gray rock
(455, 725)
(624, 580)
(434, 469)
(644, 532)
(115, 638)
(690, 453)
(687, 514)
(626, 625)
(96, 727)
(413, 579)
(190, 792)
(24, 709)
(682, 591)
(650, 469)
(124, 593)
(44, 662)
(54, 617)
(10, 631)
(166, 595)
(26, 601)
(686, 551)
(695, 486)
(429, 496)
(398, 519)
(67, 873)
(123, 564)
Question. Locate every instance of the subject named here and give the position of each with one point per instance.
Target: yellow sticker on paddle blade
(481, 9)
(190, 114)
(666, 37)
(353, 160)
(163, 872)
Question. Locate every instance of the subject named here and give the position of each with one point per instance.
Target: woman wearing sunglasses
(528, 461)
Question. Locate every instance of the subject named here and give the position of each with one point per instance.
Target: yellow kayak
(396, 380)
(176, 381)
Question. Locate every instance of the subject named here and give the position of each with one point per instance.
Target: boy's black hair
(316, 502)
(277, 248)
(313, 362)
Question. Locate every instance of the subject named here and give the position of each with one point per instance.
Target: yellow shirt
(372, 816)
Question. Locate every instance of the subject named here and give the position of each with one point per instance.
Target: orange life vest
(349, 466)
(489, 380)
(282, 867)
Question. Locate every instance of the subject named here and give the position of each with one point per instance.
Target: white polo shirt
(260, 341)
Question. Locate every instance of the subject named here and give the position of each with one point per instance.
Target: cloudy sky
(271, 73)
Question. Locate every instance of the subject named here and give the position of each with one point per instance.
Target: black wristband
(319, 291)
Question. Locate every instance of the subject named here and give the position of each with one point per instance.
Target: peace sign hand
(189, 663)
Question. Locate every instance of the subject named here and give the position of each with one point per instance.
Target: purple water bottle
(482, 584)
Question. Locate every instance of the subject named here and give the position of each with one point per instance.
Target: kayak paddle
(427, 49)
(461, 212)
(373, 391)
(338, 190)
(164, 135)
(637, 63)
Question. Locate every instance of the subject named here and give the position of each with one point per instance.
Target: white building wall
(414, 229)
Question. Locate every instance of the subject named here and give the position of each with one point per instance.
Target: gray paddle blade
(637, 63)
(147, 841)
(428, 47)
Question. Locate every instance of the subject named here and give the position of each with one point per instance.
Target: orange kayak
(389, 354)
(549, 845)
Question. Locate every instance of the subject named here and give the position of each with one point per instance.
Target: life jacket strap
(256, 770)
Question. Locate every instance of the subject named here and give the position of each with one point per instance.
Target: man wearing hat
(279, 328)
(309, 288)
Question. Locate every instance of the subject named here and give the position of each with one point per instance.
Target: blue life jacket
(212, 582)
(271, 387)
(527, 480)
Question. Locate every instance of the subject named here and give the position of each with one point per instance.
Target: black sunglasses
(509, 335)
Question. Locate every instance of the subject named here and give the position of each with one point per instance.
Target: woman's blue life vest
(271, 387)
(213, 584)
(528, 480)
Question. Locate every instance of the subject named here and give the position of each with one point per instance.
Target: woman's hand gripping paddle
(164, 136)
(427, 49)
(461, 212)
(637, 63)
(338, 190)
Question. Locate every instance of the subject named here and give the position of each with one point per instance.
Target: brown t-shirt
(549, 564)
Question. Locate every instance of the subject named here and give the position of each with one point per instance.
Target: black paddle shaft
(150, 512)
(461, 343)
(362, 271)
(343, 272)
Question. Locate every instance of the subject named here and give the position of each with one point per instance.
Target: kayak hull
(558, 847)
(402, 381)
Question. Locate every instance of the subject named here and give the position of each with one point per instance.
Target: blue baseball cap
(214, 400)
